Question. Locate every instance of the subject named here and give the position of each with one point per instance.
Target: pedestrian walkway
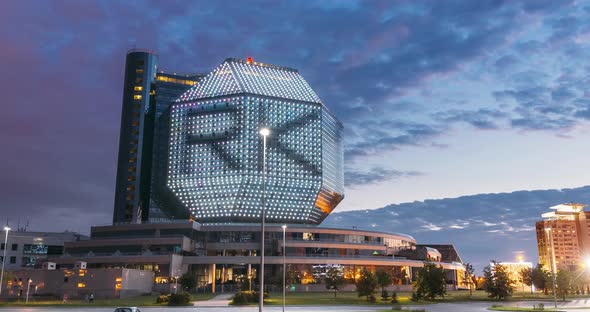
(217, 301)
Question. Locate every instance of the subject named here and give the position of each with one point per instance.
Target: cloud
(372, 138)
(506, 62)
(356, 178)
(472, 223)
(398, 74)
(484, 119)
(430, 227)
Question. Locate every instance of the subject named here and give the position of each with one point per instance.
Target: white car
(129, 309)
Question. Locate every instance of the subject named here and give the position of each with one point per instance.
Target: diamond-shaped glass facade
(216, 153)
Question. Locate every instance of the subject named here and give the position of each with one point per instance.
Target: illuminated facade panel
(215, 150)
(236, 76)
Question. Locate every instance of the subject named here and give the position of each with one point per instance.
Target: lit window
(137, 97)
(138, 88)
(81, 285)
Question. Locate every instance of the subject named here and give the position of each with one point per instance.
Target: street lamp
(553, 266)
(28, 289)
(265, 132)
(6, 228)
(284, 266)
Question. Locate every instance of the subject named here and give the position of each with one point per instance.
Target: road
(573, 306)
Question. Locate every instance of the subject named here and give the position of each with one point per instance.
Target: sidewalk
(217, 301)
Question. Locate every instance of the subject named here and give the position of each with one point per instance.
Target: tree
(497, 281)
(366, 283)
(526, 277)
(430, 282)
(563, 281)
(9, 276)
(398, 275)
(292, 275)
(188, 281)
(383, 280)
(540, 278)
(334, 279)
(469, 277)
(580, 280)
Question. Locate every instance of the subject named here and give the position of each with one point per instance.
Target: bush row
(182, 298)
(246, 297)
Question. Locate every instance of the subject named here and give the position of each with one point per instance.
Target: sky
(438, 98)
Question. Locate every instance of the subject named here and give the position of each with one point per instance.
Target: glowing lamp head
(284, 226)
(6, 229)
(264, 131)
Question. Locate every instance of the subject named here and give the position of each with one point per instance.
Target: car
(128, 309)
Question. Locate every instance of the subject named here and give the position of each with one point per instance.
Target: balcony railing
(118, 254)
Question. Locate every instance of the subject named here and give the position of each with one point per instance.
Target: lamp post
(28, 289)
(284, 266)
(264, 132)
(553, 266)
(6, 228)
(175, 284)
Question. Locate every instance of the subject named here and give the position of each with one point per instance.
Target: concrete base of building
(78, 283)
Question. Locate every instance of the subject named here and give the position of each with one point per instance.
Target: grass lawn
(327, 298)
(141, 301)
(351, 298)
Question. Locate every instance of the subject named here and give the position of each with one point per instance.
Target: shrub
(394, 297)
(182, 298)
(245, 286)
(243, 297)
(372, 298)
(163, 299)
(246, 297)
